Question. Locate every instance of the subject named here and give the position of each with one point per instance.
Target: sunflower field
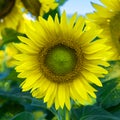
(55, 66)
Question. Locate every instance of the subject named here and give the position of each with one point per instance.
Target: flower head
(107, 17)
(10, 14)
(40, 7)
(1, 59)
(6, 56)
(10, 51)
(47, 5)
(60, 60)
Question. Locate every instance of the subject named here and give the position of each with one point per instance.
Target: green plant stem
(67, 116)
(63, 114)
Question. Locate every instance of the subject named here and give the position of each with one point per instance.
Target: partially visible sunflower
(47, 5)
(10, 51)
(39, 7)
(60, 60)
(6, 56)
(10, 14)
(107, 17)
(1, 59)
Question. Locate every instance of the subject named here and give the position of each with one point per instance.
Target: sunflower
(6, 56)
(47, 5)
(1, 60)
(60, 60)
(10, 51)
(107, 17)
(10, 14)
(39, 7)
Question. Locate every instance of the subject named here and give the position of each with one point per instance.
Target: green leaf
(113, 70)
(52, 13)
(6, 116)
(10, 107)
(9, 80)
(109, 94)
(117, 113)
(92, 113)
(38, 103)
(12, 75)
(23, 116)
(61, 2)
(10, 35)
(115, 110)
(39, 115)
(98, 117)
(41, 105)
(16, 95)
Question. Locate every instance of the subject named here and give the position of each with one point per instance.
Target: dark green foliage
(18, 105)
(61, 2)
(10, 35)
(23, 116)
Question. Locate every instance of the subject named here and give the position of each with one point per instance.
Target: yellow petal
(61, 95)
(67, 97)
(72, 20)
(93, 48)
(52, 98)
(25, 48)
(28, 42)
(105, 12)
(89, 88)
(89, 36)
(75, 96)
(80, 89)
(50, 92)
(90, 77)
(80, 23)
(28, 84)
(57, 102)
(95, 69)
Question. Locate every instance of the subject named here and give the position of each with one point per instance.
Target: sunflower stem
(67, 116)
(63, 114)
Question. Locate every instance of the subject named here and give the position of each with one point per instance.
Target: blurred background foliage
(18, 105)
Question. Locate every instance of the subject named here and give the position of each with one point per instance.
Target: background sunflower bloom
(10, 14)
(40, 7)
(107, 17)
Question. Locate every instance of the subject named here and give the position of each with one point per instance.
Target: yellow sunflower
(6, 56)
(60, 61)
(10, 14)
(10, 51)
(47, 5)
(39, 7)
(107, 17)
(1, 59)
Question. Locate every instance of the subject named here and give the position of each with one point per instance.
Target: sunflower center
(61, 59)
(6, 7)
(115, 29)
